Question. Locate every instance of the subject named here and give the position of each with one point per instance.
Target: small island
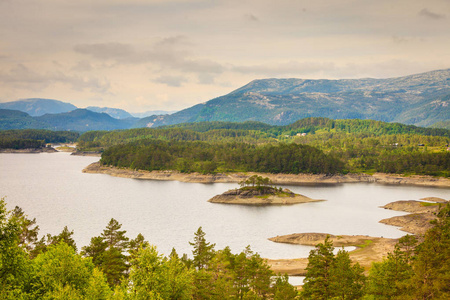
(258, 190)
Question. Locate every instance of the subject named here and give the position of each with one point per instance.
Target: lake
(52, 189)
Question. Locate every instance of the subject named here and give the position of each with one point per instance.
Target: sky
(142, 55)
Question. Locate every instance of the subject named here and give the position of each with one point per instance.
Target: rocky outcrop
(368, 249)
(418, 221)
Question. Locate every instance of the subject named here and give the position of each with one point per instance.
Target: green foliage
(329, 276)
(203, 251)
(108, 252)
(153, 276)
(60, 273)
(190, 157)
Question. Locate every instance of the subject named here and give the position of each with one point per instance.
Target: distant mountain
(76, 120)
(116, 113)
(14, 119)
(420, 100)
(38, 106)
(84, 120)
(153, 113)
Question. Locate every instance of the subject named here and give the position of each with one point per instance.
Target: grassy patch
(366, 243)
(429, 203)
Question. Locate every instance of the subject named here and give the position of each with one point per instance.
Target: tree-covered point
(204, 157)
(34, 138)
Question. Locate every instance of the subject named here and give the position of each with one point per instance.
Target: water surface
(52, 189)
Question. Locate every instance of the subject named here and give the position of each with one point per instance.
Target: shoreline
(30, 150)
(278, 179)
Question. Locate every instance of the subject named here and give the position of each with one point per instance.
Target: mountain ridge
(419, 99)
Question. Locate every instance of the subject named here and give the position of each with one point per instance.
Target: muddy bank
(368, 250)
(247, 197)
(279, 179)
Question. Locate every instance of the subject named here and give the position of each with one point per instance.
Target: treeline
(34, 138)
(204, 157)
(114, 267)
(104, 139)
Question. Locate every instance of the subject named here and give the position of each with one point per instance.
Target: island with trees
(258, 190)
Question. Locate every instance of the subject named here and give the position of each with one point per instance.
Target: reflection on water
(52, 188)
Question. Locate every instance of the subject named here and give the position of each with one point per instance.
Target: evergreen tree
(431, 264)
(203, 251)
(318, 281)
(347, 280)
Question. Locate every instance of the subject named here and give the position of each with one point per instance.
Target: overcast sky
(171, 54)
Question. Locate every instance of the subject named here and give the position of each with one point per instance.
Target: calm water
(52, 189)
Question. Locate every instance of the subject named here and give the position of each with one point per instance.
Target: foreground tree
(330, 276)
(60, 273)
(108, 252)
(203, 251)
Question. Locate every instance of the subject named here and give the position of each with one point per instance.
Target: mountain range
(421, 100)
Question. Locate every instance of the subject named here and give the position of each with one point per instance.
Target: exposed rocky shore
(254, 197)
(278, 179)
(368, 249)
(421, 213)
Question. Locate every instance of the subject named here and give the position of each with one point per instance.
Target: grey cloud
(167, 53)
(251, 17)
(431, 15)
(82, 66)
(173, 81)
(23, 77)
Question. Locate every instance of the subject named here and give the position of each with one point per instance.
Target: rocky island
(252, 196)
(258, 190)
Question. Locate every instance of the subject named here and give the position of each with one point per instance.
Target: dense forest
(113, 266)
(360, 146)
(204, 157)
(34, 138)
(335, 146)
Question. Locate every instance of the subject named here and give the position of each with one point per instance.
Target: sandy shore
(279, 179)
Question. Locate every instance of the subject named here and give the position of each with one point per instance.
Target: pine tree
(318, 279)
(347, 279)
(203, 251)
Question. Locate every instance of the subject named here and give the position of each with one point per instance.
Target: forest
(34, 138)
(113, 266)
(332, 146)
(351, 145)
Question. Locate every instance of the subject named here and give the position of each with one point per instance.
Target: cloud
(173, 81)
(106, 50)
(20, 76)
(168, 53)
(251, 17)
(430, 15)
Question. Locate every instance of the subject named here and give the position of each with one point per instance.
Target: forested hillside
(34, 138)
(359, 145)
